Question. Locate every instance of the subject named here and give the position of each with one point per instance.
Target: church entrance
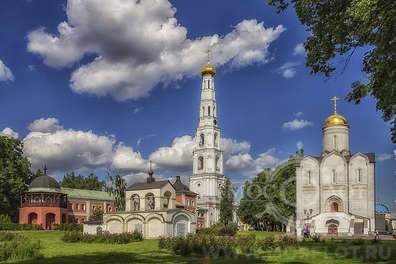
(332, 230)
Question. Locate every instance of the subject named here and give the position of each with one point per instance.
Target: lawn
(332, 251)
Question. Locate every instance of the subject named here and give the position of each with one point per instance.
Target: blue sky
(118, 84)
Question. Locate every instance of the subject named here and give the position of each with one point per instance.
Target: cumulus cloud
(231, 146)
(298, 114)
(126, 159)
(297, 124)
(176, 157)
(45, 125)
(139, 44)
(8, 132)
(384, 156)
(65, 150)
(288, 70)
(299, 49)
(5, 73)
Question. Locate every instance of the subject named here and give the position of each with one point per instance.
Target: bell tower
(208, 175)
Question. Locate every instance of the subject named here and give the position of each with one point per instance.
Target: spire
(208, 69)
(208, 57)
(335, 99)
(150, 178)
(45, 169)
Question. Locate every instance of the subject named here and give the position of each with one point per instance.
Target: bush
(18, 247)
(68, 227)
(18, 227)
(5, 219)
(123, 238)
(286, 241)
(267, 243)
(7, 236)
(220, 229)
(247, 243)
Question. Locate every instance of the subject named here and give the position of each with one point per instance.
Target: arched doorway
(49, 220)
(332, 230)
(32, 218)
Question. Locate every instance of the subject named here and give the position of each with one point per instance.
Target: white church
(336, 190)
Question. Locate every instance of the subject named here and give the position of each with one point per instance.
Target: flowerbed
(124, 238)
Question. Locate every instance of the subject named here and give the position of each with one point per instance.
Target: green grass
(55, 251)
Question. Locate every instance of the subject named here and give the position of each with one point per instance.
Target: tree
(15, 175)
(340, 27)
(270, 198)
(91, 182)
(97, 214)
(117, 189)
(226, 202)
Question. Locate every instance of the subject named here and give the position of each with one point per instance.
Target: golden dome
(208, 69)
(335, 119)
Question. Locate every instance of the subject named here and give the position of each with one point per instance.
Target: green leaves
(226, 202)
(91, 182)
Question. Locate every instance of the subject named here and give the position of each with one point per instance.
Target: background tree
(226, 202)
(15, 175)
(117, 189)
(97, 214)
(340, 27)
(270, 198)
(91, 182)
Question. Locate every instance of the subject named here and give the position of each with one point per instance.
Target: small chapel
(336, 190)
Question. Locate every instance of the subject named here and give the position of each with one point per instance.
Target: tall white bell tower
(208, 175)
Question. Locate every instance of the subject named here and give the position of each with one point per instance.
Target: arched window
(335, 142)
(135, 202)
(200, 163)
(333, 177)
(217, 163)
(167, 197)
(215, 140)
(150, 201)
(201, 140)
(208, 110)
(203, 110)
(309, 177)
(359, 175)
(208, 84)
(214, 110)
(334, 207)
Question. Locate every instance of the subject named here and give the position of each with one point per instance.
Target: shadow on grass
(364, 251)
(148, 257)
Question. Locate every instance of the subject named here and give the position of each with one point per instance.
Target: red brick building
(46, 203)
(187, 199)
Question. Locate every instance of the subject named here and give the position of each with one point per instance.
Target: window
(203, 110)
(109, 208)
(192, 203)
(76, 206)
(208, 84)
(93, 207)
(217, 163)
(215, 140)
(100, 207)
(150, 201)
(208, 110)
(334, 207)
(135, 203)
(333, 177)
(200, 163)
(309, 177)
(359, 174)
(167, 197)
(82, 206)
(335, 142)
(201, 140)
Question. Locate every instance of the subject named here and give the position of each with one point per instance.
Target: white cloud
(66, 150)
(299, 49)
(298, 114)
(137, 110)
(8, 132)
(126, 159)
(176, 157)
(299, 145)
(384, 156)
(47, 125)
(297, 124)
(288, 70)
(5, 73)
(139, 44)
(31, 68)
(231, 146)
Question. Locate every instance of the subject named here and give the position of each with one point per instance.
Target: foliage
(5, 219)
(105, 237)
(91, 182)
(68, 227)
(97, 214)
(117, 189)
(266, 244)
(340, 27)
(269, 200)
(219, 229)
(15, 175)
(226, 202)
(19, 227)
(17, 247)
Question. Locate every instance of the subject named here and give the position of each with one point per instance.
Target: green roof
(87, 194)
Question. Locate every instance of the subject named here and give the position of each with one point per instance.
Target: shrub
(18, 227)
(266, 243)
(220, 229)
(19, 248)
(5, 219)
(286, 241)
(246, 243)
(7, 236)
(105, 237)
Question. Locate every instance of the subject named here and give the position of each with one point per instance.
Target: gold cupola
(208, 69)
(335, 119)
